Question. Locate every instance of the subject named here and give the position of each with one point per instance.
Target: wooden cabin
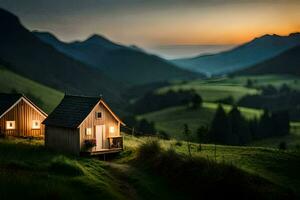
(83, 125)
(20, 117)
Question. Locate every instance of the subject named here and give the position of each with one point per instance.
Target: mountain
(251, 53)
(287, 62)
(28, 56)
(128, 64)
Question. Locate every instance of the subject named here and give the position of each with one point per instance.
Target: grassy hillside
(45, 97)
(280, 167)
(171, 120)
(27, 164)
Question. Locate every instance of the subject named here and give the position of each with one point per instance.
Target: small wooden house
(20, 117)
(83, 125)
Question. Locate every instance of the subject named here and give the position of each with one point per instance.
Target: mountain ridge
(26, 55)
(248, 54)
(100, 52)
(288, 62)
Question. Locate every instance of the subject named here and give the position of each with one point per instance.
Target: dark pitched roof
(7, 100)
(71, 111)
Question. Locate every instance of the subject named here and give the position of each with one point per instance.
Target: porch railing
(115, 142)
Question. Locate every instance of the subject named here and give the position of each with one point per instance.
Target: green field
(219, 88)
(280, 167)
(27, 164)
(37, 173)
(47, 97)
(171, 120)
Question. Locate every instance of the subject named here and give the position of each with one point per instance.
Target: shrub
(149, 150)
(90, 143)
(163, 135)
(282, 145)
(18, 165)
(178, 143)
(62, 165)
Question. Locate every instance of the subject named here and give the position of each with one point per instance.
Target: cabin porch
(115, 145)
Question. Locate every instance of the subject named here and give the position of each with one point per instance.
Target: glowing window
(36, 124)
(112, 129)
(10, 125)
(88, 131)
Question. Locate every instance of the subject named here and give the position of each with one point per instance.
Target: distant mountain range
(127, 64)
(251, 53)
(287, 62)
(25, 54)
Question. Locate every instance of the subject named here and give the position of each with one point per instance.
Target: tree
(187, 133)
(281, 123)
(265, 125)
(219, 127)
(146, 128)
(239, 128)
(196, 101)
(249, 83)
(202, 134)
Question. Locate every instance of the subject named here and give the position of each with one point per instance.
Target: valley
(206, 126)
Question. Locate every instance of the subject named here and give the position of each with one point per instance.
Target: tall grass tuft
(64, 166)
(203, 178)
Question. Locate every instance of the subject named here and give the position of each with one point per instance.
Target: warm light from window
(10, 125)
(112, 129)
(88, 131)
(36, 124)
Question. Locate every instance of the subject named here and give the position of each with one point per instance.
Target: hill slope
(122, 63)
(26, 55)
(287, 62)
(253, 52)
(45, 97)
(28, 164)
(172, 120)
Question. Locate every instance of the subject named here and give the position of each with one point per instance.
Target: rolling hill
(45, 97)
(287, 62)
(246, 55)
(127, 64)
(171, 120)
(25, 54)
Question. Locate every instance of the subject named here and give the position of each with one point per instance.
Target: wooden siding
(23, 114)
(62, 139)
(91, 121)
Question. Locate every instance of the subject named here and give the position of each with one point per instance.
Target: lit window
(10, 125)
(112, 129)
(88, 131)
(98, 115)
(36, 124)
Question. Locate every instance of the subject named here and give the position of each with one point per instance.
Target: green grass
(49, 98)
(36, 173)
(212, 90)
(171, 120)
(26, 164)
(279, 167)
(219, 88)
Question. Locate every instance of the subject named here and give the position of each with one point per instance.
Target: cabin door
(99, 137)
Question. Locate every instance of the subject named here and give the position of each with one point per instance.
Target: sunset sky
(160, 22)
